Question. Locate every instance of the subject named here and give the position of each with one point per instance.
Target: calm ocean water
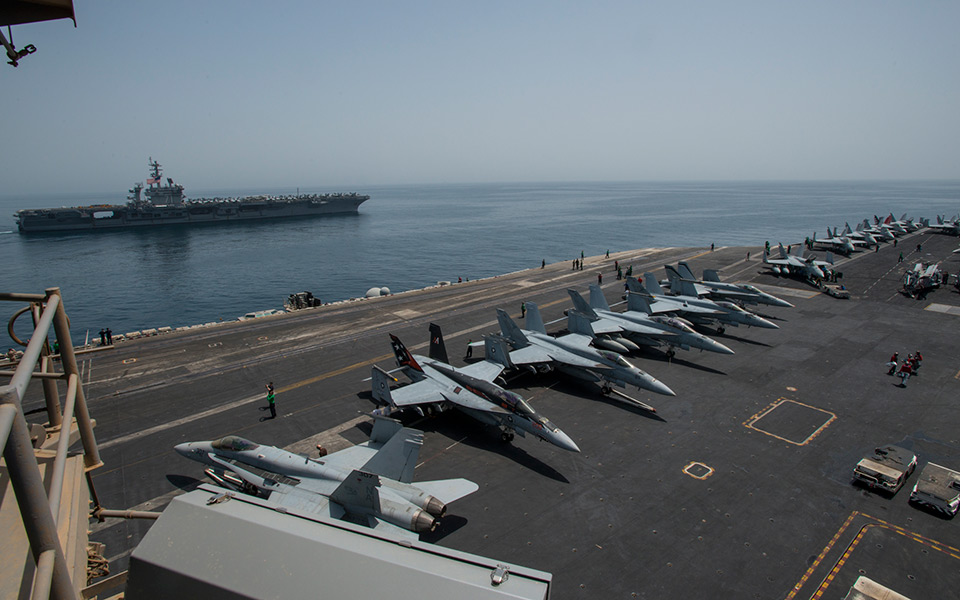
(408, 237)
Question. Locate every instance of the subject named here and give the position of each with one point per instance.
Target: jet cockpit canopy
(234, 443)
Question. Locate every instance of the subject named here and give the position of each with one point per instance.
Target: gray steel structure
(218, 546)
(165, 205)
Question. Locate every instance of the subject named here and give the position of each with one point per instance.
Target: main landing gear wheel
(671, 353)
(506, 437)
(721, 330)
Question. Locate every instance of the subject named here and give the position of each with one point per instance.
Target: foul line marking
(780, 401)
(828, 579)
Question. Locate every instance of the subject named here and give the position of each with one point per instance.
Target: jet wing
(437, 388)
(687, 307)
(570, 358)
(605, 325)
(425, 391)
(637, 326)
(485, 369)
(530, 355)
(659, 307)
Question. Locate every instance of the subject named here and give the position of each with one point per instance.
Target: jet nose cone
(655, 385)
(183, 449)
(782, 303)
(761, 322)
(562, 440)
(720, 348)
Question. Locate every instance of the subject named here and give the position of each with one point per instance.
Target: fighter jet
(711, 287)
(922, 279)
(859, 235)
(596, 319)
(876, 231)
(833, 242)
(798, 265)
(951, 227)
(369, 484)
(907, 224)
(693, 308)
(438, 386)
(897, 228)
(571, 354)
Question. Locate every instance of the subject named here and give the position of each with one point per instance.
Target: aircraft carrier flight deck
(738, 487)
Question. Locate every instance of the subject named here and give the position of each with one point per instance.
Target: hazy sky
(326, 94)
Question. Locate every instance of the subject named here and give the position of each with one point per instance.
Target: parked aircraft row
(865, 235)
(372, 483)
(590, 351)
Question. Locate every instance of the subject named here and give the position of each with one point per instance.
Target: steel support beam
(91, 454)
(32, 499)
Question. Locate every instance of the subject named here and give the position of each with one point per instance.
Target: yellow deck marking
(749, 423)
(710, 470)
(828, 579)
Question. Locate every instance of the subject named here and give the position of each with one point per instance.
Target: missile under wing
(370, 483)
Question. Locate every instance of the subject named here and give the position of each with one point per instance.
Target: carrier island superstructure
(164, 204)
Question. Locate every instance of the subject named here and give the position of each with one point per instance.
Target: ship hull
(107, 217)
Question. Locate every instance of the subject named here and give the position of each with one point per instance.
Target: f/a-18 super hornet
(858, 235)
(571, 354)
(693, 308)
(369, 484)
(897, 227)
(438, 386)
(951, 227)
(711, 287)
(877, 231)
(839, 244)
(596, 319)
(798, 265)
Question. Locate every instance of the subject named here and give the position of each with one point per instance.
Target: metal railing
(38, 510)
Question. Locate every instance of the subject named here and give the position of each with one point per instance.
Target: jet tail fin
(510, 330)
(712, 275)
(674, 277)
(384, 428)
(597, 300)
(652, 285)
(403, 356)
(686, 288)
(579, 304)
(633, 285)
(830, 257)
(437, 350)
(397, 458)
(358, 489)
(685, 271)
(495, 349)
(381, 381)
(577, 322)
(534, 320)
(638, 303)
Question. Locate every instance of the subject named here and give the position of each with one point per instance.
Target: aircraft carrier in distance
(164, 204)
